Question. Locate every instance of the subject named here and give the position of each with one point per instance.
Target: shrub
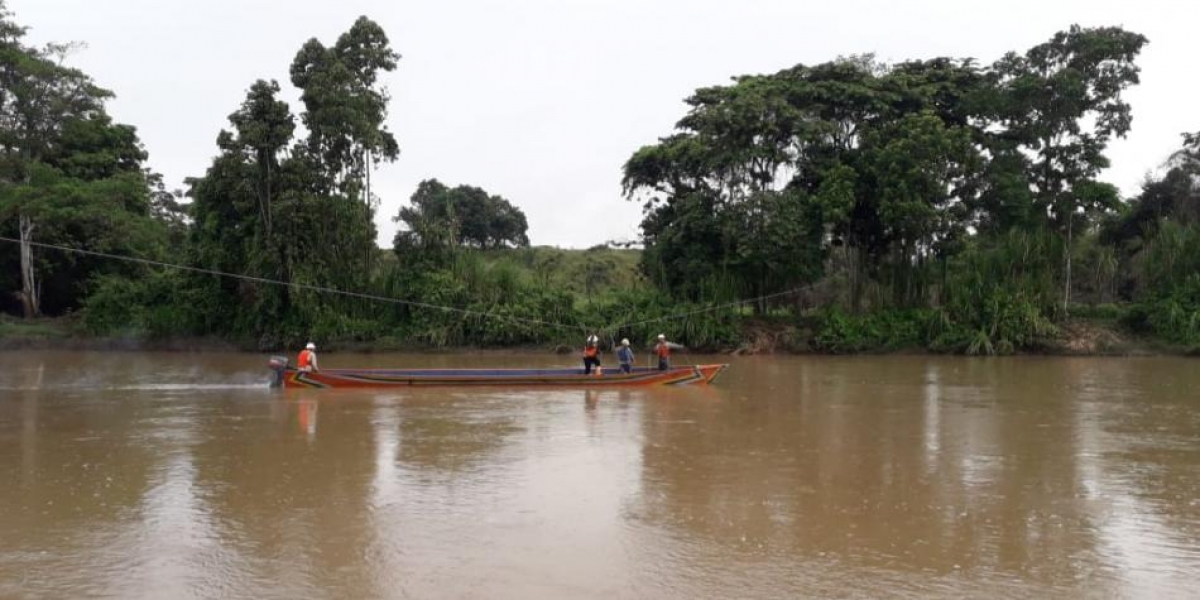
(840, 333)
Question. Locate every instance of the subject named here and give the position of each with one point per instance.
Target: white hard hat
(625, 342)
(311, 346)
(592, 339)
(662, 336)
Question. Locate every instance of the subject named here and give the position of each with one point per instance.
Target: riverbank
(65, 334)
(1079, 336)
(1076, 337)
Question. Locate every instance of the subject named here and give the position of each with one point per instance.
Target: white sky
(542, 101)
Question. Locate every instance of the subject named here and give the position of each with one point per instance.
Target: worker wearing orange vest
(591, 355)
(307, 361)
(663, 350)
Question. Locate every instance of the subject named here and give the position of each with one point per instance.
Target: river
(147, 475)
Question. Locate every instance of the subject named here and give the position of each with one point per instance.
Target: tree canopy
(889, 166)
(462, 215)
(69, 176)
(297, 210)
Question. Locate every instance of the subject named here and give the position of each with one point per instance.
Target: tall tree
(68, 174)
(346, 107)
(252, 208)
(913, 171)
(298, 211)
(1062, 102)
(263, 128)
(345, 114)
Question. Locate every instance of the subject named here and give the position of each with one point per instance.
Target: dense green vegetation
(860, 206)
(68, 174)
(275, 207)
(937, 203)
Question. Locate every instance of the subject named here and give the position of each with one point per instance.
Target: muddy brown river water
(143, 475)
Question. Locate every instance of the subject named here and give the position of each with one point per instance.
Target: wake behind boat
(289, 377)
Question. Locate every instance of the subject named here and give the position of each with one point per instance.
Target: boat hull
(385, 378)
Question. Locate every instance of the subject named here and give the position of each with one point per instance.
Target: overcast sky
(541, 101)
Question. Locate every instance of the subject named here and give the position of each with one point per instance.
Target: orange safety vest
(305, 359)
(591, 351)
(664, 351)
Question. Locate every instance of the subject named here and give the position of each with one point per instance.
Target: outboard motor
(278, 365)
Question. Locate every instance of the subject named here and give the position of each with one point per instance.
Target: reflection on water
(896, 476)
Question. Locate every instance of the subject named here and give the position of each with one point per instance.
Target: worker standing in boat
(591, 355)
(625, 356)
(663, 349)
(307, 361)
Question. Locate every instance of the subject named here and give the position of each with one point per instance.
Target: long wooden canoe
(289, 377)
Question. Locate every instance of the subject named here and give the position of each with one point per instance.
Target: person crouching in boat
(663, 350)
(591, 355)
(625, 356)
(307, 361)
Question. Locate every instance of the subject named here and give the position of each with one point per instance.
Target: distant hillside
(593, 272)
(585, 272)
